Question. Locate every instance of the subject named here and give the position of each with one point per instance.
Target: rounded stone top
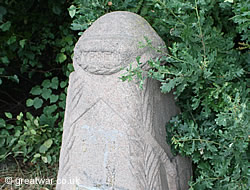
(112, 42)
(120, 24)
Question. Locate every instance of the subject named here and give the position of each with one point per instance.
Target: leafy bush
(35, 56)
(207, 71)
(27, 137)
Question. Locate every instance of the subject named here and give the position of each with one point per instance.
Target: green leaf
(54, 83)
(62, 104)
(56, 9)
(46, 93)
(3, 153)
(48, 110)
(28, 123)
(29, 116)
(62, 96)
(230, 1)
(8, 115)
(221, 120)
(36, 122)
(5, 60)
(29, 103)
(49, 159)
(37, 155)
(72, 11)
(17, 133)
(46, 83)
(2, 123)
(63, 84)
(5, 26)
(14, 78)
(22, 43)
(32, 131)
(2, 141)
(61, 57)
(3, 11)
(11, 40)
(53, 98)
(4, 132)
(20, 116)
(69, 40)
(13, 140)
(43, 149)
(196, 103)
(70, 67)
(48, 143)
(36, 90)
(9, 126)
(44, 159)
(167, 87)
(38, 102)
(62, 50)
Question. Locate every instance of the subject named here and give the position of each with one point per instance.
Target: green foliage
(29, 139)
(242, 18)
(85, 12)
(208, 74)
(35, 59)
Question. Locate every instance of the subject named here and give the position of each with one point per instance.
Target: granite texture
(114, 135)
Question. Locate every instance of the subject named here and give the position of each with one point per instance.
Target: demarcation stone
(114, 135)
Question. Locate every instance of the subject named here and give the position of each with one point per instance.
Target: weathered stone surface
(114, 133)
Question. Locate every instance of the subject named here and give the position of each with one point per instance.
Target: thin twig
(201, 34)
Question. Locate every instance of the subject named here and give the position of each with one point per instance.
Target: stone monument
(114, 134)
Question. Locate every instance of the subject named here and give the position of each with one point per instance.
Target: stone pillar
(114, 135)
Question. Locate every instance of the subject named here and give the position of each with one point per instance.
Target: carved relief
(114, 133)
(105, 56)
